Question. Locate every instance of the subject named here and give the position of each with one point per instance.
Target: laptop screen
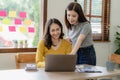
(60, 62)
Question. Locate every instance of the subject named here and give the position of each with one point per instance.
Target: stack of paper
(88, 69)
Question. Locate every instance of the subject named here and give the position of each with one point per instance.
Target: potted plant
(26, 44)
(115, 57)
(21, 44)
(15, 43)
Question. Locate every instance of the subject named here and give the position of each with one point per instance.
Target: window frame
(105, 23)
(43, 20)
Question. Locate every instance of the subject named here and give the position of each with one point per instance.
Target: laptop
(60, 63)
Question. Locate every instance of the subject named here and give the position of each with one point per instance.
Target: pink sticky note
(3, 13)
(31, 29)
(22, 14)
(17, 21)
(12, 28)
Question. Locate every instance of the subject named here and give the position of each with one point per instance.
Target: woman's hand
(69, 40)
(71, 53)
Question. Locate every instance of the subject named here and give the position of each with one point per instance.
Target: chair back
(24, 58)
(115, 58)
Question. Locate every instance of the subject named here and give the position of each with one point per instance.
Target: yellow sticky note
(12, 13)
(27, 22)
(6, 21)
(23, 29)
(1, 29)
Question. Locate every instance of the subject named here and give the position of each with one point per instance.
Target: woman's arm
(79, 41)
(67, 37)
(40, 61)
(69, 40)
(83, 33)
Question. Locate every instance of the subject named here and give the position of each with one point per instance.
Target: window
(21, 22)
(98, 13)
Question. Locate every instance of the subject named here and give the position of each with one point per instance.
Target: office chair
(24, 58)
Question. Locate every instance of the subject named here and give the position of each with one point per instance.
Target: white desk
(21, 74)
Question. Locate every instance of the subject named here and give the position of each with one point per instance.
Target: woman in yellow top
(52, 42)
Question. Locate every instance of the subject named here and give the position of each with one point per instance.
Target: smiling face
(55, 31)
(72, 17)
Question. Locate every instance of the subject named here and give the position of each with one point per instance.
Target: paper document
(88, 69)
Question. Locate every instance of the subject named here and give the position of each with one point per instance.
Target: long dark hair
(78, 9)
(47, 36)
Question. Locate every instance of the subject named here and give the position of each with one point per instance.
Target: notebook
(60, 63)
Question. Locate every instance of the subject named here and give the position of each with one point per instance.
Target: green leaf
(117, 51)
(118, 26)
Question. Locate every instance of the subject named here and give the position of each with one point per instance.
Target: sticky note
(12, 28)
(27, 22)
(12, 13)
(22, 14)
(3, 13)
(17, 21)
(31, 29)
(1, 29)
(6, 21)
(23, 29)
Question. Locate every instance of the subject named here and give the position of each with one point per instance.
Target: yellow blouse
(64, 48)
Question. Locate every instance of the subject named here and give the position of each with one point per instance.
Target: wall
(104, 49)
(56, 9)
(114, 20)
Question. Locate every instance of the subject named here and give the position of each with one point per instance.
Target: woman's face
(72, 17)
(55, 31)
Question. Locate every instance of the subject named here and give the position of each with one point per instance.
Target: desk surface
(21, 74)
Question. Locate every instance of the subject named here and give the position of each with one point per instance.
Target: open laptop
(60, 62)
